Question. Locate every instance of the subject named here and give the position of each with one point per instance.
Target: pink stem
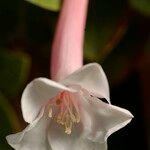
(67, 48)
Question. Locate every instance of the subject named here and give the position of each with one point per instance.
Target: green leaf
(143, 6)
(9, 122)
(14, 70)
(53, 5)
(105, 27)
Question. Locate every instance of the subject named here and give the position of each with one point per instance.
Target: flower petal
(104, 119)
(59, 140)
(36, 94)
(33, 137)
(92, 78)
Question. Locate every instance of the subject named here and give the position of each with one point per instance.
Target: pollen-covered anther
(68, 130)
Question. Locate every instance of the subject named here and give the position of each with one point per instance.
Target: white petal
(89, 145)
(36, 94)
(33, 137)
(59, 140)
(92, 78)
(105, 119)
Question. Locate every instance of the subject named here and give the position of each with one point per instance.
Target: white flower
(69, 115)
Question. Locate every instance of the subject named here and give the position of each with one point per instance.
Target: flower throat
(68, 110)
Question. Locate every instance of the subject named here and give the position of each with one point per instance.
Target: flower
(69, 115)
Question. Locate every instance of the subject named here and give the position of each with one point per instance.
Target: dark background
(117, 36)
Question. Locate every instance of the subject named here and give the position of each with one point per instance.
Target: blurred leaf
(9, 122)
(105, 27)
(142, 6)
(53, 5)
(14, 69)
(118, 66)
(126, 56)
(144, 62)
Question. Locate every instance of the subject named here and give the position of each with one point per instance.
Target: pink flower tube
(67, 48)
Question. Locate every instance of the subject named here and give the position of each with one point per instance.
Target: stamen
(77, 116)
(68, 110)
(50, 111)
(68, 124)
(61, 118)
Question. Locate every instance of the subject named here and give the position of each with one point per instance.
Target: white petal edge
(126, 116)
(92, 78)
(33, 137)
(105, 119)
(36, 94)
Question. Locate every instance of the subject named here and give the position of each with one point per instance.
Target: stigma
(68, 113)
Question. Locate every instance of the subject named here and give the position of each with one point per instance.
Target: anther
(50, 111)
(67, 130)
(77, 116)
(68, 125)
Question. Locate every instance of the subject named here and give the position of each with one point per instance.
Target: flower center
(68, 110)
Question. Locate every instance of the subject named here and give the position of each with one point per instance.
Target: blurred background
(117, 36)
